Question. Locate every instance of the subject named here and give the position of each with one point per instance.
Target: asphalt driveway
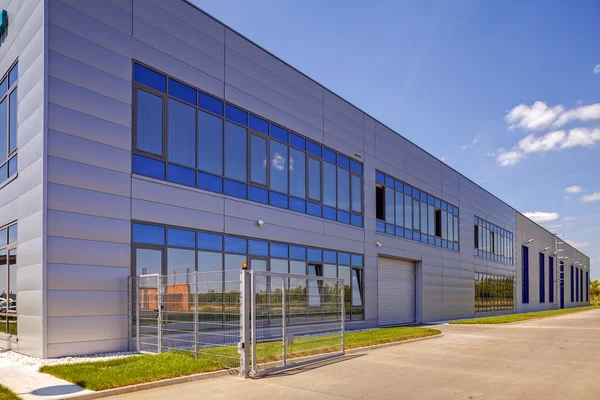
(553, 358)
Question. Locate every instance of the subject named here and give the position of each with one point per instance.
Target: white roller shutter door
(396, 302)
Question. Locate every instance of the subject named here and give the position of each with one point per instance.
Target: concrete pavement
(553, 358)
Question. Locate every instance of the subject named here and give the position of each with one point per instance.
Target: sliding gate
(253, 321)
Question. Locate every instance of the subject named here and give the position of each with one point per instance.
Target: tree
(595, 292)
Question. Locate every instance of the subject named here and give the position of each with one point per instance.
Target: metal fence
(254, 321)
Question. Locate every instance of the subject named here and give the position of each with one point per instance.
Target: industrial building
(142, 136)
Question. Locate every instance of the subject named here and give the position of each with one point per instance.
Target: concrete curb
(526, 320)
(208, 375)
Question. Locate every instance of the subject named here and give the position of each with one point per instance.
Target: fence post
(159, 317)
(195, 293)
(253, 319)
(137, 313)
(283, 322)
(342, 294)
(244, 317)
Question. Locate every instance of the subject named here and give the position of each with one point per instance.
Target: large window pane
(451, 229)
(343, 186)
(279, 171)
(456, 229)
(13, 122)
(297, 173)
(278, 265)
(329, 184)
(148, 262)
(399, 209)
(12, 280)
(314, 179)
(389, 205)
(356, 288)
(444, 225)
(210, 143)
(149, 123)
(258, 160)
(180, 263)
(235, 152)
(431, 220)
(3, 131)
(234, 262)
(416, 219)
(182, 133)
(408, 212)
(210, 276)
(356, 194)
(424, 217)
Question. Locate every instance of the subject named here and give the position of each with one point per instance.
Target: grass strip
(506, 319)
(7, 394)
(101, 375)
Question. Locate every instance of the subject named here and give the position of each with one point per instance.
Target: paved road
(555, 358)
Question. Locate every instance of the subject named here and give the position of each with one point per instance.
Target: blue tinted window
(297, 141)
(235, 151)
(235, 114)
(279, 167)
(438, 242)
(444, 243)
(181, 238)
(279, 200)
(279, 133)
(423, 196)
(149, 133)
(3, 173)
(431, 240)
(314, 179)
(279, 250)
(182, 92)
(12, 234)
(235, 245)
(3, 132)
(444, 206)
(407, 190)
(149, 167)
(297, 172)
(3, 237)
(314, 148)
(343, 161)
(408, 234)
(3, 87)
(210, 182)
(210, 143)
(13, 75)
(430, 200)
(423, 238)
(438, 203)
(148, 234)
(235, 189)
(258, 194)
(379, 177)
(416, 193)
(389, 228)
(297, 253)
(314, 209)
(343, 216)
(389, 181)
(182, 133)
(12, 121)
(182, 175)
(356, 167)
(12, 166)
(150, 78)
(399, 231)
(330, 257)
(210, 104)
(329, 155)
(455, 211)
(259, 124)
(297, 205)
(258, 160)
(344, 258)
(258, 248)
(356, 260)
(380, 225)
(356, 220)
(417, 236)
(210, 241)
(315, 255)
(329, 213)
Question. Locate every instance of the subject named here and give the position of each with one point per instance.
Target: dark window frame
(10, 155)
(7, 314)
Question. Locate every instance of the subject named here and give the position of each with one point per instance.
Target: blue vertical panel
(542, 279)
(587, 286)
(580, 285)
(572, 284)
(525, 275)
(551, 279)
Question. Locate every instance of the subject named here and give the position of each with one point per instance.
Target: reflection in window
(235, 152)
(297, 173)
(356, 289)
(408, 212)
(343, 187)
(258, 160)
(329, 184)
(149, 123)
(389, 205)
(314, 287)
(279, 171)
(493, 293)
(314, 179)
(356, 194)
(148, 261)
(210, 143)
(182, 133)
(179, 264)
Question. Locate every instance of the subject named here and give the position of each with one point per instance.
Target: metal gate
(253, 321)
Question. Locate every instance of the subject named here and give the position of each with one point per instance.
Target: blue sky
(507, 93)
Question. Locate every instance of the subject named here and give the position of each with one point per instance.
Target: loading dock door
(396, 303)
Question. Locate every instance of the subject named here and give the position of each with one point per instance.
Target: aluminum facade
(75, 195)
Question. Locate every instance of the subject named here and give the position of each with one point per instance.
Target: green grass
(7, 394)
(101, 375)
(505, 319)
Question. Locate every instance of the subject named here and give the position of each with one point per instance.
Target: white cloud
(597, 69)
(539, 216)
(443, 159)
(588, 198)
(567, 219)
(578, 245)
(540, 115)
(573, 189)
(509, 158)
(472, 144)
(581, 137)
(547, 142)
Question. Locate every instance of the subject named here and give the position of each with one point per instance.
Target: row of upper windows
(216, 146)
(408, 212)
(493, 242)
(8, 124)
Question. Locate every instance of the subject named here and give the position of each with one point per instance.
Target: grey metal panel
(126, 5)
(343, 231)
(77, 73)
(28, 203)
(70, 303)
(86, 328)
(343, 106)
(71, 173)
(30, 332)
(85, 101)
(30, 151)
(21, 25)
(396, 290)
(191, 34)
(30, 302)
(88, 52)
(30, 127)
(29, 227)
(81, 226)
(75, 251)
(30, 75)
(29, 101)
(28, 178)
(87, 277)
(65, 198)
(164, 214)
(104, 11)
(30, 277)
(175, 47)
(69, 147)
(89, 347)
(88, 127)
(346, 122)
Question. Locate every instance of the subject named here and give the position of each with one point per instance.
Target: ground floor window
(8, 279)
(493, 293)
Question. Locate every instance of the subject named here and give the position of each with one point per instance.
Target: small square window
(259, 124)
(182, 92)
(399, 231)
(184, 176)
(379, 177)
(149, 78)
(279, 133)
(258, 194)
(356, 260)
(236, 115)
(329, 155)
(329, 213)
(297, 205)
(356, 220)
(235, 189)
(343, 161)
(148, 167)
(151, 234)
(210, 104)
(279, 200)
(343, 216)
(380, 225)
(297, 253)
(343, 258)
(389, 181)
(315, 255)
(279, 250)
(210, 241)
(314, 209)
(329, 257)
(235, 245)
(314, 148)
(356, 167)
(210, 182)
(258, 248)
(181, 238)
(297, 141)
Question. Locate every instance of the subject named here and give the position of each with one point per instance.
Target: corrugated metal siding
(396, 288)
